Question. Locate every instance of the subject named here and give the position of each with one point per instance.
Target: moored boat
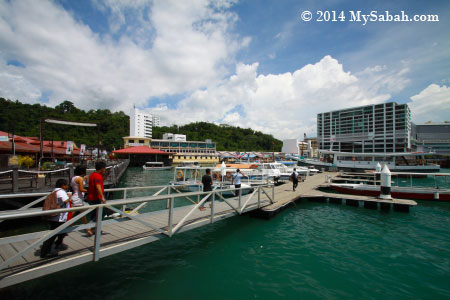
(351, 161)
(413, 193)
(155, 166)
(189, 179)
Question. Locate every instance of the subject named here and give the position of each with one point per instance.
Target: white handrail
(7, 215)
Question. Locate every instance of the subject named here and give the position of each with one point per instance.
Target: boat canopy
(238, 166)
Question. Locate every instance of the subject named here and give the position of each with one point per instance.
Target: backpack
(293, 176)
(51, 202)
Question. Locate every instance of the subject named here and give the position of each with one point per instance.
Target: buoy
(180, 174)
(195, 173)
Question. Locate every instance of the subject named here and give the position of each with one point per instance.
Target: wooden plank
(108, 236)
(73, 244)
(125, 228)
(147, 228)
(158, 221)
(31, 255)
(137, 227)
(113, 233)
(122, 233)
(82, 239)
(7, 251)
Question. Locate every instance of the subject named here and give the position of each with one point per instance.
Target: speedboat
(189, 179)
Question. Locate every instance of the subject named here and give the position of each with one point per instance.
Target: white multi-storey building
(382, 127)
(141, 124)
(156, 121)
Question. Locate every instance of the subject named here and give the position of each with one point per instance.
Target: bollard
(385, 183)
(378, 168)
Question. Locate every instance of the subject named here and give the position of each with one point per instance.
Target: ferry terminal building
(181, 150)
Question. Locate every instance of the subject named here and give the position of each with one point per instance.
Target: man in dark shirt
(207, 185)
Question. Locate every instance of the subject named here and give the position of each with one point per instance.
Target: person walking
(77, 185)
(237, 180)
(96, 190)
(63, 200)
(207, 186)
(294, 177)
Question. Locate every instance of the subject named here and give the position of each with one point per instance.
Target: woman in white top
(78, 191)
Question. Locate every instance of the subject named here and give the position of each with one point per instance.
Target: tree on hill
(225, 137)
(24, 120)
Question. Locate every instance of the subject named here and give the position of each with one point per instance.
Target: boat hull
(157, 168)
(410, 193)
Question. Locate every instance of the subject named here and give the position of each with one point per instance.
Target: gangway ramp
(20, 255)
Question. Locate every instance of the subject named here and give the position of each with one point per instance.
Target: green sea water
(308, 251)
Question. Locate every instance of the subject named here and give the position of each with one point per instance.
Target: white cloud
(431, 104)
(191, 48)
(284, 105)
(175, 48)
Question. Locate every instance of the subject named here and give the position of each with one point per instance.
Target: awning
(141, 150)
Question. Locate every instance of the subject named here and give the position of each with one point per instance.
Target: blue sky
(245, 63)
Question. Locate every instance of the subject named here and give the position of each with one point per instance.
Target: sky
(253, 64)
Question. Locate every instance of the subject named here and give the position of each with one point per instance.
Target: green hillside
(23, 119)
(226, 137)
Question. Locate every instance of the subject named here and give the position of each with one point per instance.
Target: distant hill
(226, 137)
(24, 120)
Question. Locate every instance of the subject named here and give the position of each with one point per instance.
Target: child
(64, 202)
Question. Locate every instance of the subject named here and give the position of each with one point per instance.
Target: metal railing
(243, 203)
(112, 174)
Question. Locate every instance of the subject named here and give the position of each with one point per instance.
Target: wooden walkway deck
(118, 235)
(309, 189)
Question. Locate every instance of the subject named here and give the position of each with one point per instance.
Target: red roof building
(141, 150)
(139, 155)
(31, 146)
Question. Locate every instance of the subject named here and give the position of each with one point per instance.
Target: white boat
(189, 179)
(351, 161)
(155, 166)
(257, 172)
(286, 172)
